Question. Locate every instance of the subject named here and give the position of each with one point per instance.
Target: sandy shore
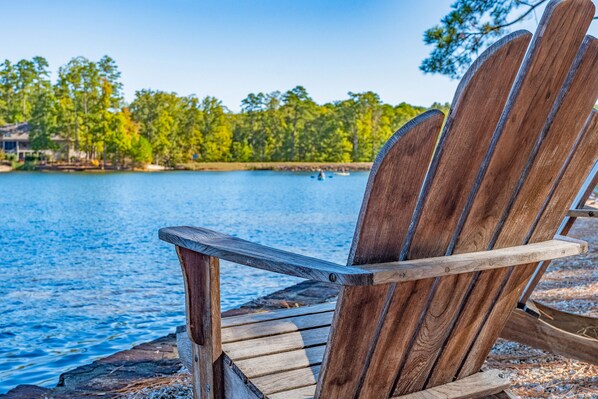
(277, 166)
(213, 167)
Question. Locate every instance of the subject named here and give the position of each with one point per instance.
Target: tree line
(86, 106)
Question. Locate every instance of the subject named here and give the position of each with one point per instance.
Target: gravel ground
(570, 285)
(176, 387)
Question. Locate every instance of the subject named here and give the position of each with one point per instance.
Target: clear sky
(228, 49)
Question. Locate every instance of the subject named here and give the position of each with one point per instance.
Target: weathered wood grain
(299, 393)
(420, 269)
(587, 212)
(392, 190)
(577, 99)
(241, 350)
(521, 143)
(243, 252)
(280, 362)
(474, 386)
(506, 394)
(390, 198)
(475, 112)
(295, 381)
(402, 271)
(544, 334)
(538, 84)
(546, 223)
(235, 387)
(566, 321)
(202, 293)
(275, 327)
(286, 381)
(579, 164)
(237, 320)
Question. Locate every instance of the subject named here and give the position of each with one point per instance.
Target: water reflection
(83, 275)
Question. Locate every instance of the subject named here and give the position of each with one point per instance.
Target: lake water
(83, 274)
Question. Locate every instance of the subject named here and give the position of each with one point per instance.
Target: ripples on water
(83, 274)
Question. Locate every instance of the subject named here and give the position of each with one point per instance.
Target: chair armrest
(243, 252)
(233, 249)
(419, 269)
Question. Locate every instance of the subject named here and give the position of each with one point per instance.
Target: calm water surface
(83, 274)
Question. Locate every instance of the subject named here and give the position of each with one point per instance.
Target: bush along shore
(192, 166)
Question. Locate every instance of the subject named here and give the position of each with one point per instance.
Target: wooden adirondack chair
(544, 327)
(451, 229)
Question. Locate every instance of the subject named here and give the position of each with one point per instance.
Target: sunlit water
(83, 274)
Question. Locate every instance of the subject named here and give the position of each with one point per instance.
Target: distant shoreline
(206, 167)
(278, 166)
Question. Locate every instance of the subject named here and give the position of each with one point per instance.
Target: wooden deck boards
(278, 355)
(288, 366)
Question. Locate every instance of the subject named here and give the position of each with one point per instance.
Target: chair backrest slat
(394, 185)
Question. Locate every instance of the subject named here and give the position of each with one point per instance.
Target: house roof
(15, 132)
(20, 132)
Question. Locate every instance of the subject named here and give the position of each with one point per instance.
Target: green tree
(141, 151)
(158, 116)
(241, 148)
(19, 84)
(298, 107)
(216, 130)
(252, 107)
(273, 128)
(88, 97)
(43, 121)
(76, 90)
(470, 27)
(86, 105)
(8, 84)
(190, 128)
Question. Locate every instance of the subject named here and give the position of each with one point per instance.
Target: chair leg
(558, 335)
(202, 293)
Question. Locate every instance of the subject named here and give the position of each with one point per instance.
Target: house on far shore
(14, 139)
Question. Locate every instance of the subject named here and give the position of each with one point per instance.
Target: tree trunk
(355, 144)
(294, 136)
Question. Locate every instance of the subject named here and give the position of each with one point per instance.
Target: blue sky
(231, 48)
